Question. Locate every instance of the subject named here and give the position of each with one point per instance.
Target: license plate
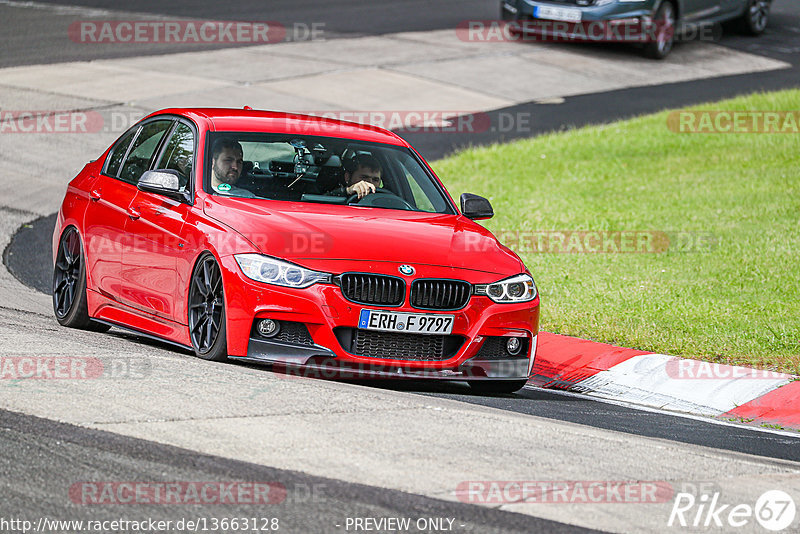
(557, 13)
(415, 323)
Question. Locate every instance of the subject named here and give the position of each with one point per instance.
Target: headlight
(280, 273)
(519, 288)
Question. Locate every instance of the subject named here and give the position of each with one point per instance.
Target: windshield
(320, 170)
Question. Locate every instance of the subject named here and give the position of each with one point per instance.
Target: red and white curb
(666, 382)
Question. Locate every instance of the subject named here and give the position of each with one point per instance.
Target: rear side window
(143, 149)
(118, 152)
(179, 153)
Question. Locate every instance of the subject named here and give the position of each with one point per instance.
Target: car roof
(252, 120)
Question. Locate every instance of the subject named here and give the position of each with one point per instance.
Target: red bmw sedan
(295, 241)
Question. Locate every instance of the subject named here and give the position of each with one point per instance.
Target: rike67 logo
(774, 510)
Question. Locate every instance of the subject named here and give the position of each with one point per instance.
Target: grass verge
(725, 287)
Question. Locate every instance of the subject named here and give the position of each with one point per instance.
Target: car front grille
(374, 289)
(399, 346)
(434, 294)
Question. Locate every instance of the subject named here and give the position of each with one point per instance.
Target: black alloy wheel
(207, 311)
(69, 284)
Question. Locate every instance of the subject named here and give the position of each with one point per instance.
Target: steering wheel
(381, 198)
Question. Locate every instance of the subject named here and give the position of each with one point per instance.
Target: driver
(365, 179)
(226, 167)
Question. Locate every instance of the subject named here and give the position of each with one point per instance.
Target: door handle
(133, 213)
(95, 194)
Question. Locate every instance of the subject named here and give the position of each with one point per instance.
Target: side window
(143, 149)
(179, 154)
(118, 152)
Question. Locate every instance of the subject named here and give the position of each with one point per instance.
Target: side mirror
(164, 182)
(476, 207)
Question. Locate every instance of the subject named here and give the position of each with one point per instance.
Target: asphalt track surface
(25, 43)
(29, 42)
(781, 42)
(42, 458)
(31, 39)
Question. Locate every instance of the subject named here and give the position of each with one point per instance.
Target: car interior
(309, 170)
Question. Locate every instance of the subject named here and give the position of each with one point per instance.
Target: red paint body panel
(103, 231)
(141, 249)
(150, 259)
(246, 299)
(101, 307)
(240, 120)
(316, 235)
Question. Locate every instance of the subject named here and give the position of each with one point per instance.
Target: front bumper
(524, 10)
(610, 23)
(324, 311)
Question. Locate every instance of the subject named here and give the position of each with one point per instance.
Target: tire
(207, 319)
(665, 33)
(69, 285)
(755, 18)
(496, 387)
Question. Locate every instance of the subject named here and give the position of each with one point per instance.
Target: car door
(137, 159)
(731, 7)
(154, 231)
(699, 10)
(105, 218)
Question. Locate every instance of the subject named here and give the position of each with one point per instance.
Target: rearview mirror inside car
(476, 207)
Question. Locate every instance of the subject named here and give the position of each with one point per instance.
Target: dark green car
(659, 21)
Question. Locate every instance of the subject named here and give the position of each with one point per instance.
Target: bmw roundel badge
(406, 270)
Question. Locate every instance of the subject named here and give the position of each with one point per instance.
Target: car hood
(340, 238)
